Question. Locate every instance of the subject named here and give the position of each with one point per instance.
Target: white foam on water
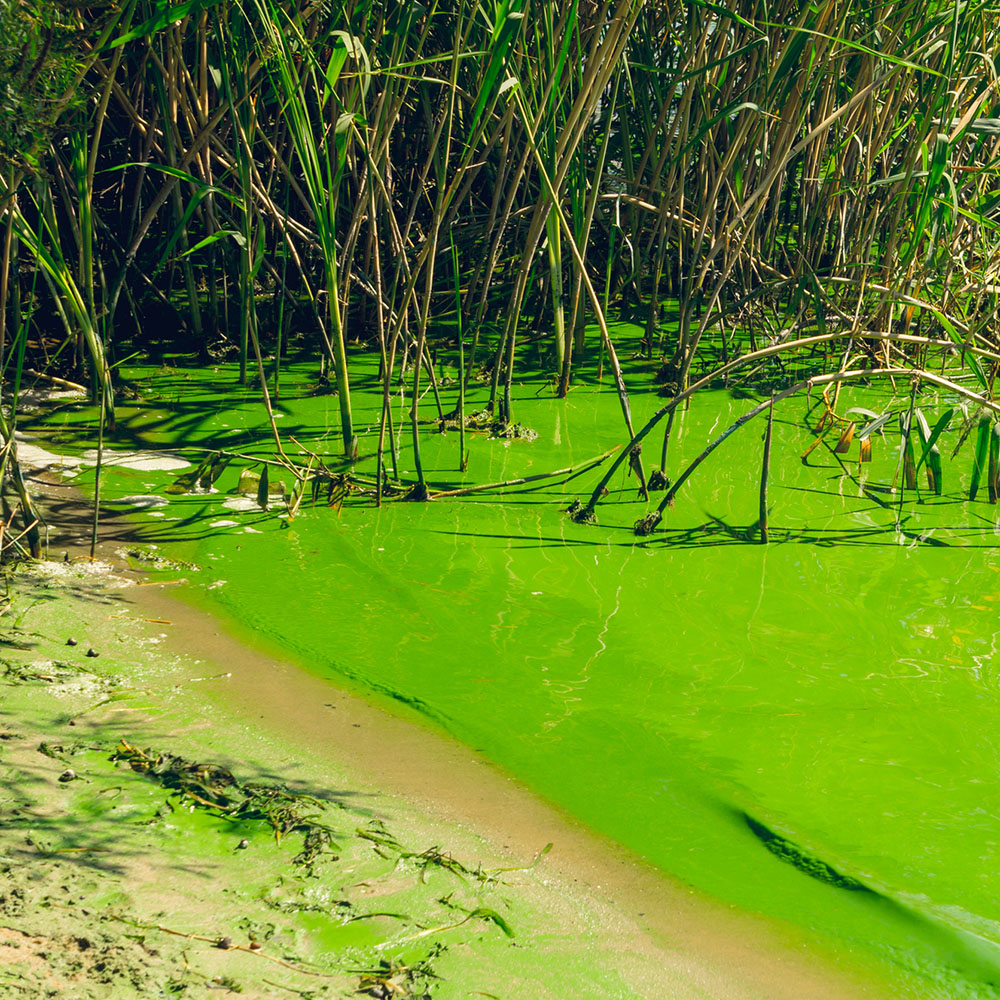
(139, 461)
(92, 571)
(37, 457)
(143, 501)
(240, 504)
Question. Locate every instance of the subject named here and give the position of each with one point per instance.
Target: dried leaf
(262, 487)
(846, 437)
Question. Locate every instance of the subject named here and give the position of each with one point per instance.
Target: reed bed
(464, 178)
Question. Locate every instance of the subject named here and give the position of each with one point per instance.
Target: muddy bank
(151, 845)
(436, 877)
(584, 914)
(645, 920)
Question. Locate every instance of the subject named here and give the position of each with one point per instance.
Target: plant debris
(214, 787)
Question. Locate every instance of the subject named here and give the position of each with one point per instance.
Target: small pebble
(92, 652)
(71, 641)
(243, 844)
(68, 775)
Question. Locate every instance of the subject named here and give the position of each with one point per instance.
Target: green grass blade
(981, 457)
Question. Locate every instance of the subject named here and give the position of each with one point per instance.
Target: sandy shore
(593, 920)
(666, 938)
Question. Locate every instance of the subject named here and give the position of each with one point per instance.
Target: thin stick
(570, 472)
(97, 478)
(14, 541)
(463, 459)
(65, 383)
(216, 941)
(135, 618)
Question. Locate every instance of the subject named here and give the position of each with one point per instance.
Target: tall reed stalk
(768, 174)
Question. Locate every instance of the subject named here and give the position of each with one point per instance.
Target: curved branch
(647, 525)
(585, 514)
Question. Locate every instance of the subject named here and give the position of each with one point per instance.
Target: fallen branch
(55, 380)
(570, 472)
(223, 944)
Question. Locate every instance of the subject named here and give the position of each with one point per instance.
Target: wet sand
(670, 940)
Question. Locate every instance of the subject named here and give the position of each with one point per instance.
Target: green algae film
(115, 886)
(804, 729)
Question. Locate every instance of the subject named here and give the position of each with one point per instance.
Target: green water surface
(806, 729)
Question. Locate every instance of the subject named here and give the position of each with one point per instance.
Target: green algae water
(805, 729)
